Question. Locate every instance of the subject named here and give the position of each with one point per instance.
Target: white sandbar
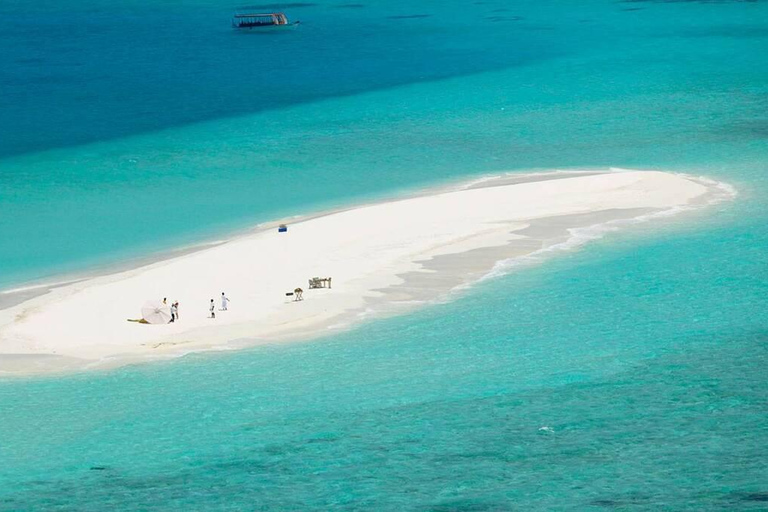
(365, 250)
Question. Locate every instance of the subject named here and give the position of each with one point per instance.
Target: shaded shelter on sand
(155, 312)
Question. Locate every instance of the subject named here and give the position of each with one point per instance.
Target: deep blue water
(81, 73)
(143, 126)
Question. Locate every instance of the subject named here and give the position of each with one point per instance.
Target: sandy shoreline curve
(380, 256)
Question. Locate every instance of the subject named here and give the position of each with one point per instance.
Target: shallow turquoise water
(644, 352)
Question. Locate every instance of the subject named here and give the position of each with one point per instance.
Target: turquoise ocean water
(140, 127)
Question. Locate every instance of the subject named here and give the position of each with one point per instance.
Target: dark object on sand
(297, 294)
(282, 228)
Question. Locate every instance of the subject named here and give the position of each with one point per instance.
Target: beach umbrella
(155, 312)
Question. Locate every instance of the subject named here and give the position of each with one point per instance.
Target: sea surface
(630, 374)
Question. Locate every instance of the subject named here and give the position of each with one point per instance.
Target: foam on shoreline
(383, 257)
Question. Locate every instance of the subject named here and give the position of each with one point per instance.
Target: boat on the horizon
(262, 21)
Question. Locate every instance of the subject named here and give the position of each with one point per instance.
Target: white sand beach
(400, 251)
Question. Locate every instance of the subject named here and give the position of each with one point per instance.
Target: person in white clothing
(224, 301)
(213, 309)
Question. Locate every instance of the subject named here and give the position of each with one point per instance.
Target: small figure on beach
(298, 294)
(224, 301)
(177, 309)
(174, 312)
(165, 301)
(212, 309)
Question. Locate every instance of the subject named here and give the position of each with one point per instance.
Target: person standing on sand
(224, 301)
(174, 312)
(176, 304)
(213, 309)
